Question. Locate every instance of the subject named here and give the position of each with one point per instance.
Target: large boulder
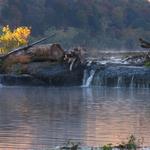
(48, 64)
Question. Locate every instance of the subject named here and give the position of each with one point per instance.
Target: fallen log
(51, 53)
(25, 47)
(46, 52)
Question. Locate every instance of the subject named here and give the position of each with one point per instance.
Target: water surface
(41, 117)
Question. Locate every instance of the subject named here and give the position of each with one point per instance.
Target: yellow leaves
(6, 29)
(22, 34)
(10, 39)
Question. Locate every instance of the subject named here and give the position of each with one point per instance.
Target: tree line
(98, 24)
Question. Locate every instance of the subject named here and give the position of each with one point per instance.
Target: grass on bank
(147, 64)
(131, 144)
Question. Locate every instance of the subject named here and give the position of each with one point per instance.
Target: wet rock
(47, 64)
(58, 75)
(122, 76)
(26, 80)
(44, 73)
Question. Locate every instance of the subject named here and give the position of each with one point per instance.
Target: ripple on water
(40, 118)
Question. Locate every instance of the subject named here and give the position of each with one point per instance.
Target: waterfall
(85, 77)
(88, 77)
(116, 76)
(1, 81)
(119, 81)
(132, 82)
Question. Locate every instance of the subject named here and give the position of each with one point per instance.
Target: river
(44, 117)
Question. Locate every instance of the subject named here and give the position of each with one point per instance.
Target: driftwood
(144, 44)
(140, 59)
(25, 47)
(75, 57)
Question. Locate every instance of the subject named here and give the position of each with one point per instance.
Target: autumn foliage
(10, 39)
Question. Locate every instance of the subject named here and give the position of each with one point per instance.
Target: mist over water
(41, 118)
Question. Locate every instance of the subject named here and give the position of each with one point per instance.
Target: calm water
(40, 118)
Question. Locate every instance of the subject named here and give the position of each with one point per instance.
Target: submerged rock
(45, 74)
(27, 80)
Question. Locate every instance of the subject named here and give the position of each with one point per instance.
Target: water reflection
(40, 118)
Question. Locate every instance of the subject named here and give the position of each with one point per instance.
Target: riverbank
(131, 144)
(101, 148)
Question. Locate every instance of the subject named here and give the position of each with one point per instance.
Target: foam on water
(1, 83)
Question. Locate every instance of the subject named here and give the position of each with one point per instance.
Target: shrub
(147, 64)
(107, 147)
(10, 39)
(130, 145)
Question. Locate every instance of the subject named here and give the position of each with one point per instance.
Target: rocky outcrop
(50, 65)
(43, 65)
(117, 76)
(44, 74)
(57, 74)
(24, 79)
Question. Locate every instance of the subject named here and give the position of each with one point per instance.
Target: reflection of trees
(18, 138)
(50, 113)
(114, 114)
(49, 116)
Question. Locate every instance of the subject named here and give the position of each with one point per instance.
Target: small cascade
(116, 76)
(0, 82)
(85, 77)
(88, 77)
(132, 82)
(119, 82)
